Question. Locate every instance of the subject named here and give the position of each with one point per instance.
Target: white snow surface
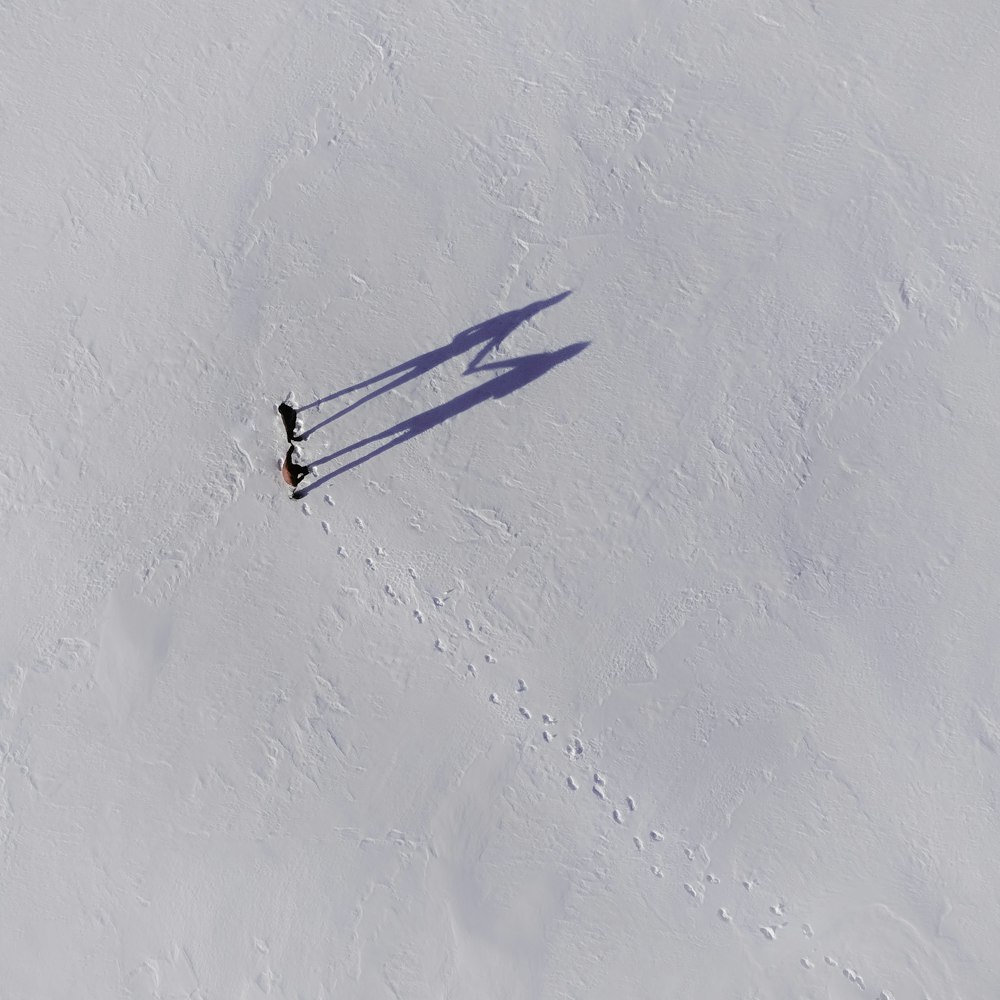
(672, 672)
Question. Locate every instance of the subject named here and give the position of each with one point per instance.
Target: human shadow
(485, 336)
(520, 372)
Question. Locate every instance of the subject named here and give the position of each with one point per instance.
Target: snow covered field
(665, 665)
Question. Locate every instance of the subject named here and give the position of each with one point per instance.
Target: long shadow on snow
(485, 336)
(520, 371)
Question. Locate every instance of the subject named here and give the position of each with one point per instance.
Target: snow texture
(714, 535)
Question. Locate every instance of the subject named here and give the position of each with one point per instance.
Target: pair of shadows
(485, 336)
(514, 375)
(519, 373)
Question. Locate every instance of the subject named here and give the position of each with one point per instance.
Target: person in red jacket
(291, 471)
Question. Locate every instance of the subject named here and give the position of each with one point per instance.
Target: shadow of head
(569, 351)
(493, 332)
(530, 310)
(531, 366)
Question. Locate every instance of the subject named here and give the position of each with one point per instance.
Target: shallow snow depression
(653, 651)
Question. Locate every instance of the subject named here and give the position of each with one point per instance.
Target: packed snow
(633, 632)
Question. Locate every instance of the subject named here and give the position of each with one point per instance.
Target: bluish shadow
(485, 336)
(519, 373)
